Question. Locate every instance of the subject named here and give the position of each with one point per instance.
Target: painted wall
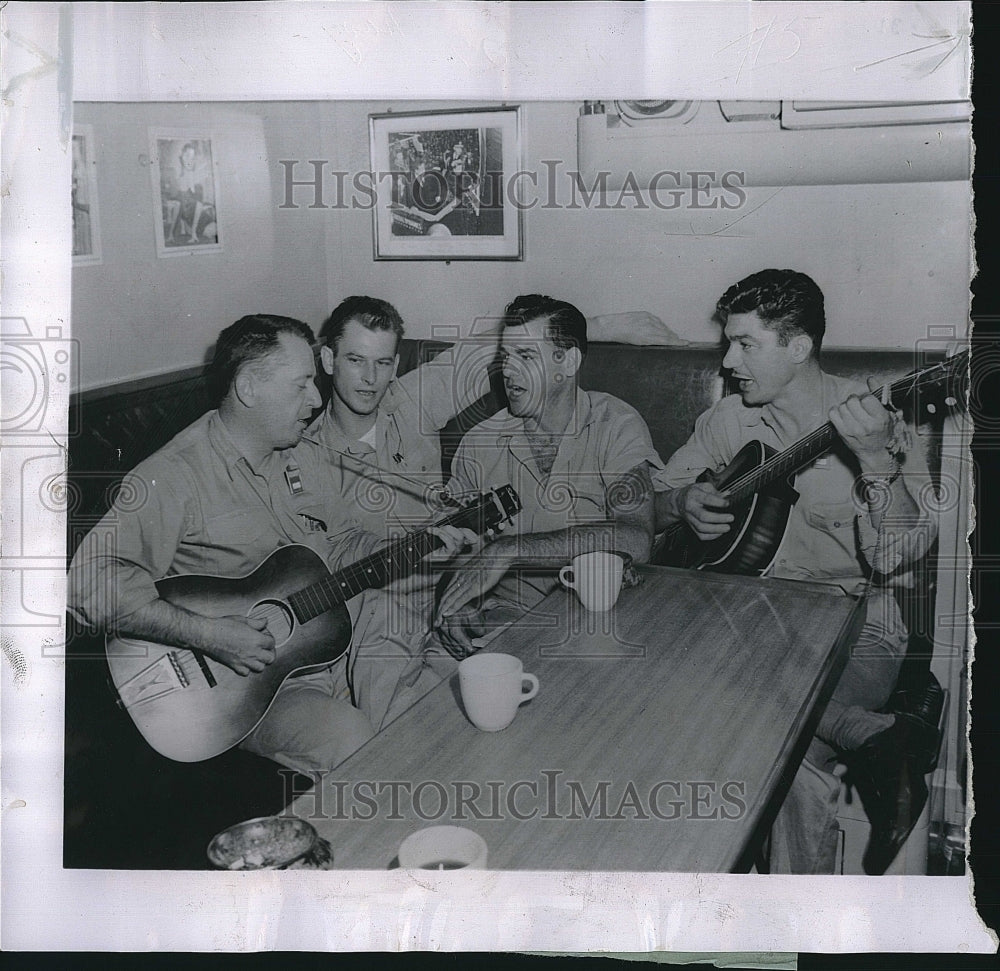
(135, 314)
(893, 260)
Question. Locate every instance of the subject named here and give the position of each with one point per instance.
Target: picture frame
(440, 184)
(86, 215)
(185, 182)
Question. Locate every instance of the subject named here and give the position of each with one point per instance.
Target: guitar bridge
(161, 677)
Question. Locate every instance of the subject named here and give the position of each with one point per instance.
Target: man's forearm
(164, 623)
(563, 544)
(668, 507)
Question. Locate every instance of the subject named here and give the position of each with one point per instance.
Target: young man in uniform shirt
(856, 524)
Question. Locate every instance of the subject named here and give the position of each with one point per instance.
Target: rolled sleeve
(629, 446)
(114, 571)
(450, 382)
(711, 446)
(463, 477)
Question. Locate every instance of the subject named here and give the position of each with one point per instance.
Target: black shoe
(888, 772)
(925, 704)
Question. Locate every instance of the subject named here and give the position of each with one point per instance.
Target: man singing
(580, 461)
(856, 524)
(220, 497)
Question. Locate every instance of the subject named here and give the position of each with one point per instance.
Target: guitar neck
(396, 560)
(784, 464)
(817, 442)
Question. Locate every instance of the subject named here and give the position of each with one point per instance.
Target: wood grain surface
(661, 737)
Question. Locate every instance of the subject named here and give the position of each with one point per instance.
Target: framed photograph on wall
(440, 183)
(185, 192)
(86, 220)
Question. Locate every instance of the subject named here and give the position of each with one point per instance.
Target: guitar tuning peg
(931, 410)
(951, 401)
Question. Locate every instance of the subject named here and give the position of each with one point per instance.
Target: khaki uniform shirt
(605, 439)
(197, 506)
(830, 536)
(394, 486)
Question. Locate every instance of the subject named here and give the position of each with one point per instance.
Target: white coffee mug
(596, 578)
(493, 689)
(443, 848)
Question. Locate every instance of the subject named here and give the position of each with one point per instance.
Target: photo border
(50, 908)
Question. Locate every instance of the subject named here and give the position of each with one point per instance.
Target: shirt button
(836, 525)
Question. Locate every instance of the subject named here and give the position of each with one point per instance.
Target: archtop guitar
(758, 484)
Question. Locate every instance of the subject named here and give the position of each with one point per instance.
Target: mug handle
(566, 577)
(532, 691)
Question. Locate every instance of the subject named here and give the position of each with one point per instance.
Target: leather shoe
(924, 703)
(888, 772)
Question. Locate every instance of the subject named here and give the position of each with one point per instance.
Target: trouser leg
(869, 677)
(391, 666)
(805, 832)
(311, 725)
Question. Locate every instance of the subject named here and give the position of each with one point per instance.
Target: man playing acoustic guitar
(855, 523)
(218, 499)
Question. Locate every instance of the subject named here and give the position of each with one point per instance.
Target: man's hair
(370, 312)
(250, 340)
(565, 326)
(786, 301)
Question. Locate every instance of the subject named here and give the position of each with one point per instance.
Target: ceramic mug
(493, 689)
(443, 848)
(596, 578)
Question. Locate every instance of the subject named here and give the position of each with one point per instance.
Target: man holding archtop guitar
(223, 496)
(840, 463)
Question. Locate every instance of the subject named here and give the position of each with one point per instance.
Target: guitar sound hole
(280, 622)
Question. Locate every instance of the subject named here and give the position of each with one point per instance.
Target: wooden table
(660, 733)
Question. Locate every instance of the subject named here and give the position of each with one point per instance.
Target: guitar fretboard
(399, 558)
(819, 441)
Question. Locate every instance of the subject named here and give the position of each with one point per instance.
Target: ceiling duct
(773, 143)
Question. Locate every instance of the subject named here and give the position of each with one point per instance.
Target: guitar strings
(909, 383)
(776, 462)
(358, 573)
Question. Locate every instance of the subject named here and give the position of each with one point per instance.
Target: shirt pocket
(832, 517)
(312, 518)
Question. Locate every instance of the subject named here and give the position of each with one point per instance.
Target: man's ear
(326, 357)
(572, 361)
(395, 367)
(801, 346)
(245, 386)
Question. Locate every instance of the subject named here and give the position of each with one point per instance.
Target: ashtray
(270, 843)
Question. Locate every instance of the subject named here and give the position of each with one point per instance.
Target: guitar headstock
(495, 507)
(936, 389)
(510, 501)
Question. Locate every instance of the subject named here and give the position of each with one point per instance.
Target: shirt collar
(764, 414)
(583, 415)
(326, 431)
(226, 448)
(222, 442)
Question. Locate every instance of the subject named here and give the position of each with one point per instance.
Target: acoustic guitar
(190, 707)
(758, 484)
